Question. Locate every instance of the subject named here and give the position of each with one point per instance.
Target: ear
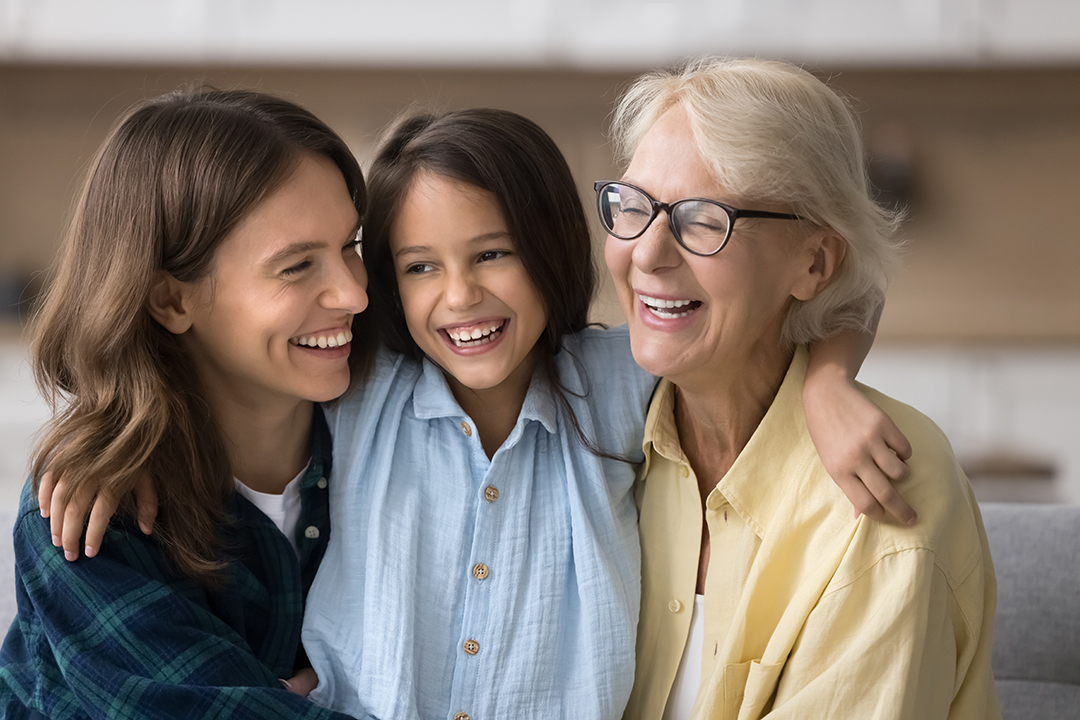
(169, 302)
(823, 252)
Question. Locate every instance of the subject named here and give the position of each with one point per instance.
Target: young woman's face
(273, 318)
(468, 301)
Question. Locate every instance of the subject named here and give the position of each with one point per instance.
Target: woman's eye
(297, 268)
(490, 255)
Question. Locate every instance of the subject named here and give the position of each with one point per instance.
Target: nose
(657, 248)
(347, 287)
(462, 290)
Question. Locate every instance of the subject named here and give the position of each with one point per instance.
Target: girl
(202, 304)
(485, 542)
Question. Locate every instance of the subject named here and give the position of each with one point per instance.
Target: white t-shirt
(283, 509)
(687, 680)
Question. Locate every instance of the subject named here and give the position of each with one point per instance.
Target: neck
(267, 446)
(717, 413)
(495, 410)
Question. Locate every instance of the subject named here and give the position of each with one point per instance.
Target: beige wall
(994, 246)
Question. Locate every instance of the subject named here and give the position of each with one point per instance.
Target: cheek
(617, 255)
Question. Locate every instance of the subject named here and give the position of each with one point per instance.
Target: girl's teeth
(470, 336)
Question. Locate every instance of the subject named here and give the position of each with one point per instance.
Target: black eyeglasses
(702, 227)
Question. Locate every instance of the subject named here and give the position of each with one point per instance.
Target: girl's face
(468, 301)
(273, 318)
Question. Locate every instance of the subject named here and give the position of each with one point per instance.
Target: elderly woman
(741, 231)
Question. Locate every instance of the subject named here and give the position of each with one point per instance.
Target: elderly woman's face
(700, 316)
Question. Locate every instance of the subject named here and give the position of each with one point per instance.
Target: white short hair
(772, 132)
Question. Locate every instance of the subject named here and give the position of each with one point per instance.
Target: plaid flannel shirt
(123, 636)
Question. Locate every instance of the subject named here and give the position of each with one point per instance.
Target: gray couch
(1036, 550)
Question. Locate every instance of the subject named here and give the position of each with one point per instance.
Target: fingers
(302, 683)
(885, 495)
(146, 503)
(104, 507)
(45, 493)
(897, 441)
(72, 516)
(860, 497)
(57, 506)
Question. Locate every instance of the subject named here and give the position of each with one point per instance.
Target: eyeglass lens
(700, 225)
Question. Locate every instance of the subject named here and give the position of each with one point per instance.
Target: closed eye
(297, 268)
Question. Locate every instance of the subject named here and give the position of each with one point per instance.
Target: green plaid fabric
(123, 636)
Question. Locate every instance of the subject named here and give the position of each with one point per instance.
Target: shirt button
(684, 471)
(480, 571)
(491, 493)
(472, 647)
(321, 483)
(674, 606)
(311, 532)
(461, 716)
(466, 429)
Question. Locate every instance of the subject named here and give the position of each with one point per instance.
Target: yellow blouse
(810, 612)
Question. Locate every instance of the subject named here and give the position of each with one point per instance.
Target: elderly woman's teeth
(325, 341)
(475, 337)
(668, 309)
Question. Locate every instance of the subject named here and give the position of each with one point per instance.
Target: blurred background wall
(971, 111)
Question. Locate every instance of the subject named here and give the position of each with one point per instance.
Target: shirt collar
(321, 450)
(661, 434)
(432, 398)
(775, 463)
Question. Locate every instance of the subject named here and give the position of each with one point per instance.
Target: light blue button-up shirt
(504, 589)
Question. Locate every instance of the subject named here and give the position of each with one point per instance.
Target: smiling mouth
(669, 309)
(477, 335)
(343, 337)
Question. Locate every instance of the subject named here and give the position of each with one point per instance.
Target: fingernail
(914, 519)
(145, 527)
(70, 556)
(90, 551)
(44, 512)
(285, 684)
(56, 540)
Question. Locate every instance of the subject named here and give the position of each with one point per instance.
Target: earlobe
(825, 250)
(168, 303)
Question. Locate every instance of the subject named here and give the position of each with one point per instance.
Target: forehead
(668, 164)
(439, 207)
(311, 205)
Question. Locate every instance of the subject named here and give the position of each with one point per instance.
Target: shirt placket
(493, 501)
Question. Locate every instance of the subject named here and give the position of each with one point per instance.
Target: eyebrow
(298, 248)
(295, 248)
(421, 249)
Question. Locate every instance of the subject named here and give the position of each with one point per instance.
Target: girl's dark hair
(512, 158)
(174, 177)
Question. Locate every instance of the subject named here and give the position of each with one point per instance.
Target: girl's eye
(297, 268)
(417, 269)
(490, 255)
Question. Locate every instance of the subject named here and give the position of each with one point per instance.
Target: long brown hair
(174, 177)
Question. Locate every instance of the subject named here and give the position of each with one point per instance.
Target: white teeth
(658, 303)
(325, 341)
(481, 334)
(660, 307)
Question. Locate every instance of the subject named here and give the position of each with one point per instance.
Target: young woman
(485, 560)
(202, 304)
